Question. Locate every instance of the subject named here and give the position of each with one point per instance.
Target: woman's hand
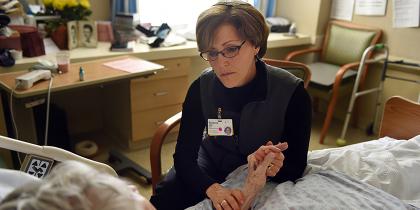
(224, 198)
(277, 162)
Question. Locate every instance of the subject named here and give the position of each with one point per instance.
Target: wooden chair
(400, 119)
(298, 69)
(341, 52)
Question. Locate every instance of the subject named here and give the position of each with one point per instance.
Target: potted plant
(68, 10)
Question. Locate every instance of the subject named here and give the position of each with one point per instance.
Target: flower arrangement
(68, 10)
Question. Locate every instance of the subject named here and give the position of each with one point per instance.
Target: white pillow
(11, 179)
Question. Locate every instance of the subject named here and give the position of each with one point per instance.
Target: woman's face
(238, 70)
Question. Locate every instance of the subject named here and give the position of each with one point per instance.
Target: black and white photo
(87, 34)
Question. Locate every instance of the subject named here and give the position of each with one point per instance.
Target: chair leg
(328, 116)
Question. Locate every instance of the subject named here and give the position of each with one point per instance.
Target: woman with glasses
(267, 108)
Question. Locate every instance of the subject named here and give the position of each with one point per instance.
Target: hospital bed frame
(50, 152)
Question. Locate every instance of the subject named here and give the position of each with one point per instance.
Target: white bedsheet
(393, 166)
(11, 179)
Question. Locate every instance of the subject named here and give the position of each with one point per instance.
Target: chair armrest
(156, 147)
(301, 52)
(343, 69)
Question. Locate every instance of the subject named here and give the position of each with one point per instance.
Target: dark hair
(248, 21)
(88, 26)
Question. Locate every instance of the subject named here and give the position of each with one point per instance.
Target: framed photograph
(87, 34)
(72, 34)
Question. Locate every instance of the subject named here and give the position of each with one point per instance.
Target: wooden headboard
(401, 119)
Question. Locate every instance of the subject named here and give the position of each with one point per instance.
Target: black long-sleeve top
(296, 132)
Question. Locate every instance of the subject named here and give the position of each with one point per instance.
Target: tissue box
(31, 42)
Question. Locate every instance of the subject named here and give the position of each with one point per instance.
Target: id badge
(220, 127)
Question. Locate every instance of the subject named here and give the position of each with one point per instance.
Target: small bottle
(81, 74)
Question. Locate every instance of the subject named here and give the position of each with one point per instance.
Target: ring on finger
(223, 202)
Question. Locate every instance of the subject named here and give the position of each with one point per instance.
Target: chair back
(345, 42)
(401, 119)
(298, 69)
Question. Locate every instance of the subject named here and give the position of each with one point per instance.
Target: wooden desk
(96, 74)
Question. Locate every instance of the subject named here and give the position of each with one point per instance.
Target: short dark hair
(88, 27)
(248, 21)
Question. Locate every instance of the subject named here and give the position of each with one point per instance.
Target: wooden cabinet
(156, 98)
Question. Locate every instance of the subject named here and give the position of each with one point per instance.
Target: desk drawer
(158, 93)
(173, 68)
(145, 123)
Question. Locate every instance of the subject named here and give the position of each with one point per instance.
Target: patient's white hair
(73, 186)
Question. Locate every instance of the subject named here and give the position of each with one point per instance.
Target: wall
(403, 42)
(101, 9)
(302, 12)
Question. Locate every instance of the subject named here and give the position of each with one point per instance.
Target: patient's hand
(256, 178)
(277, 163)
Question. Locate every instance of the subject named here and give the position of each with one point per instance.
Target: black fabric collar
(236, 98)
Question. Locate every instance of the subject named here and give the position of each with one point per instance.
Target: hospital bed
(377, 174)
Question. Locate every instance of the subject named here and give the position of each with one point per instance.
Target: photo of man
(72, 35)
(87, 34)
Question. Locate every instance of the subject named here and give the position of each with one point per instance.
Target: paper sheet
(342, 9)
(370, 7)
(132, 65)
(406, 13)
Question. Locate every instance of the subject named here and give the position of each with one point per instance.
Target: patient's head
(73, 185)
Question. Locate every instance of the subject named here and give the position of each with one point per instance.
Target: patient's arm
(256, 178)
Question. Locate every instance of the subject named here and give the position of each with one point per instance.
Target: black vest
(259, 121)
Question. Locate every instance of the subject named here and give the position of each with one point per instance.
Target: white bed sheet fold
(386, 163)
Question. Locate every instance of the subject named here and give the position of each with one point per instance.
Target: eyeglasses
(228, 52)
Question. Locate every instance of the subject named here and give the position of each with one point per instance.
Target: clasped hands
(265, 161)
(258, 156)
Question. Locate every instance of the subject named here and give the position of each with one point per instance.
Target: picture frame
(88, 34)
(72, 34)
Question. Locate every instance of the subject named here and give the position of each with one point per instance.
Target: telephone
(278, 24)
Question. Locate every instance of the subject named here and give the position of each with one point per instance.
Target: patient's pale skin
(256, 178)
